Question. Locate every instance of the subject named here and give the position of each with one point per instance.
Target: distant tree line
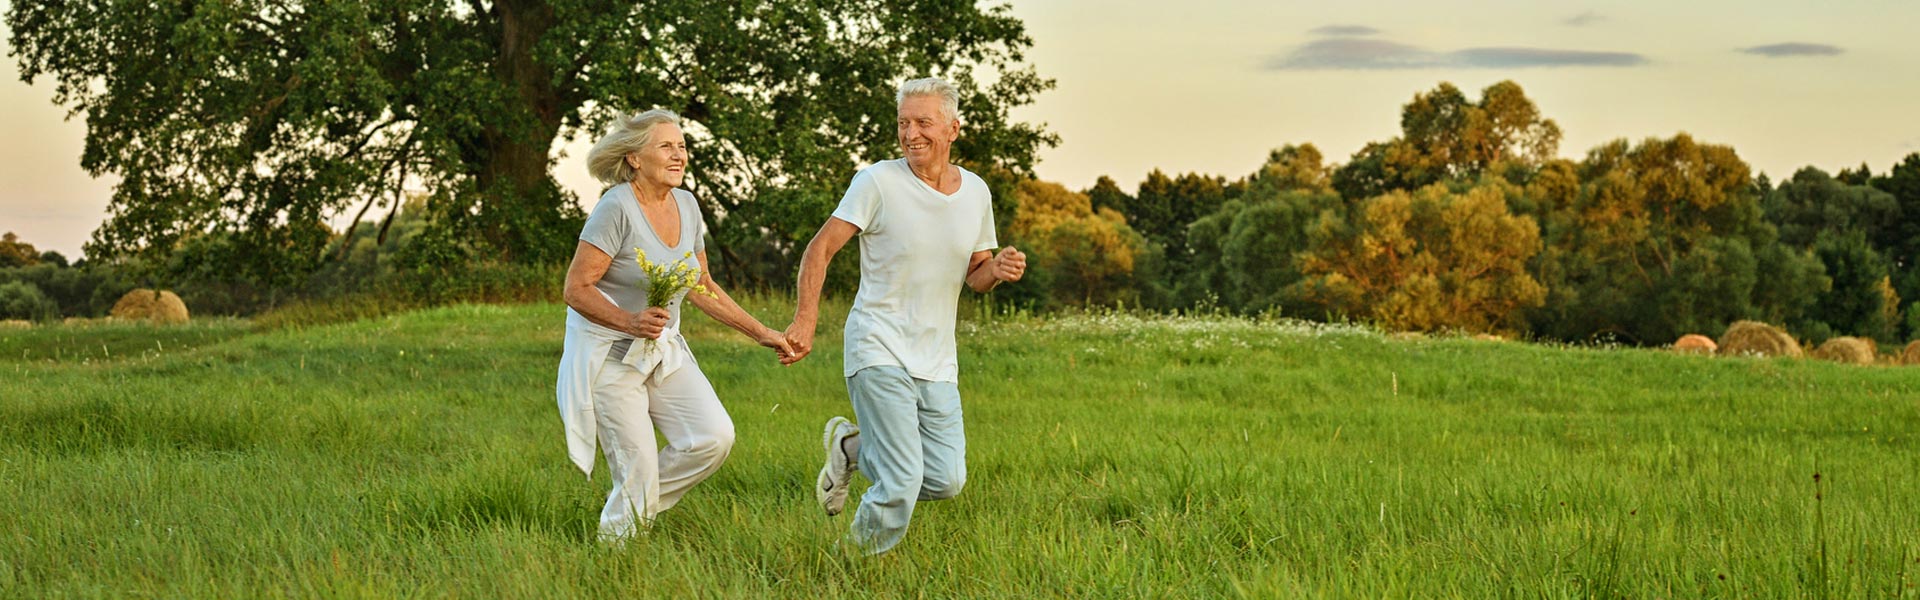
(1468, 221)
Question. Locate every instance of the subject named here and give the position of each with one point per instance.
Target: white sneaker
(831, 488)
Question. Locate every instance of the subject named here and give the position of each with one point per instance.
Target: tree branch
(398, 157)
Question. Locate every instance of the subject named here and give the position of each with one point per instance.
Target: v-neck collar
(936, 191)
(672, 198)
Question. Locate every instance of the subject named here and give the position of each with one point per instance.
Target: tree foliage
(1244, 256)
(85, 291)
(1854, 230)
(1434, 259)
(1899, 241)
(1636, 242)
(21, 300)
(16, 253)
(1163, 207)
(1088, 256)
(1811, 202)
(1664, 238)
(1443, 135)
(255, 121)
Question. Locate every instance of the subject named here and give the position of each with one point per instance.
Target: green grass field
(1110, 456)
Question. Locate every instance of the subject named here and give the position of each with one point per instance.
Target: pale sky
(1212, 85)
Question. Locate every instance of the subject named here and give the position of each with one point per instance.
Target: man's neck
(933, 172)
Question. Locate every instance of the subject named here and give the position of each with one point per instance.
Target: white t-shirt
(915, 243)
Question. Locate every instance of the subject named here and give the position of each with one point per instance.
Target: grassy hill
(1109, 455)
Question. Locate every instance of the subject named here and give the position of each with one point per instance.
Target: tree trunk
(519, 201)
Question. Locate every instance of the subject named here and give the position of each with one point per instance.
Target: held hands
(799, 337)
(1009, 264)
(778, 342)
(648, 324)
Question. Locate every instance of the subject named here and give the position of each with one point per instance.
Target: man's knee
(941, 486)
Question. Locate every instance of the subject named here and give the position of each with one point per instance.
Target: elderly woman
(626, 369)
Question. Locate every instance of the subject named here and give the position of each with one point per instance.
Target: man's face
(926, 132)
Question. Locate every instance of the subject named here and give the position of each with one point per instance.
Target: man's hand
(800, 339)
(1009, 264)
(648, 323)
(778, 342)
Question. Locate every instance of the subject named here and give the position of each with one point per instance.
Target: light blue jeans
(913, 447)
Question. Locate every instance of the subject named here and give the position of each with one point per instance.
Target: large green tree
(1812, 202)
(1245, 255)
(253, 120)
(1659, 239)
(16, 253)
(1082, 255)
(1900, 241)
(1164, 207)
(1444, 135)
(1853, 229)
(1433, 259)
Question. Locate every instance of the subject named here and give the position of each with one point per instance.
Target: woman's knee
(712, 445)
(722, 441)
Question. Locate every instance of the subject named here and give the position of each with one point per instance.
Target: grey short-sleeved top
(617, 226)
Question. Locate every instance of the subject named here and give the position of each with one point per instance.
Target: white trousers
(647, 479)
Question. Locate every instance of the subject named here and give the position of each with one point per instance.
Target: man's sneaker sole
(832, 498)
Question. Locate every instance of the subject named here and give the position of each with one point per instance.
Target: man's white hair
(932, 86)
(607, 161)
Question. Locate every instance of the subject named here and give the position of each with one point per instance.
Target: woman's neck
(650, 194)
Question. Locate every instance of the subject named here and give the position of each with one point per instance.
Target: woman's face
(663, 161)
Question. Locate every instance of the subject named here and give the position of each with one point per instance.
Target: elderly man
(925, 227)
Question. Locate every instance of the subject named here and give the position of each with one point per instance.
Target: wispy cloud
(1344, 53)
(1348, 54)
(1499, 58)
(1583, 19)
(1793, 49)
(1344, 30)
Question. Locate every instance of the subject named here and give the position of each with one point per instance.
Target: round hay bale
(148, 305)
(1753, 338)
(1851, 350)
(1694, 343)
(1911, 355)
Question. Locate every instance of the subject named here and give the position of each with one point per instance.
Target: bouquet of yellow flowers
(666, 280)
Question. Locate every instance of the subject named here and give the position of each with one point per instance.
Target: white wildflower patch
(1194, 332)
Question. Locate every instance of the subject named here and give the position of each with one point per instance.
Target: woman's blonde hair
(608, 159)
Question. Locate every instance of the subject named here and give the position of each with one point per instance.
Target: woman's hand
(778, 342)
(799, 338)
(647, 324)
